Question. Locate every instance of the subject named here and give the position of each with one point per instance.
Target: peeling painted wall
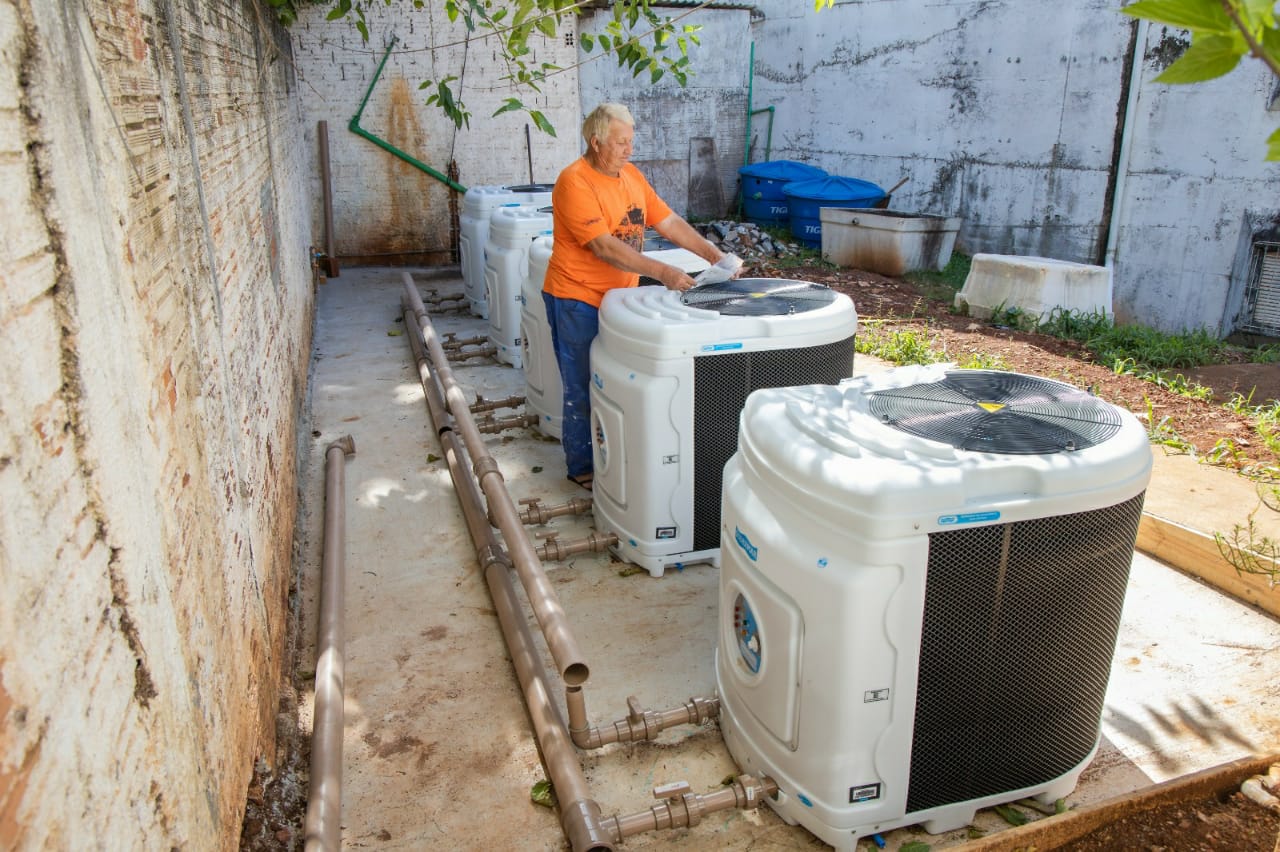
(1196, 193)
(382, 205)
(155, 311)
(1010, 114)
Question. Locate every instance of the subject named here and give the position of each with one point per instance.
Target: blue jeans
(573, 326)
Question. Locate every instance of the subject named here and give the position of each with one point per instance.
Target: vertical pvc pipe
(331, 257)
(1118, 207)
(323, 829)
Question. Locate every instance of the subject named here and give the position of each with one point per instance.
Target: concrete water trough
(889, 242)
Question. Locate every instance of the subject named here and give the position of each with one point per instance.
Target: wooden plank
(1197, 554)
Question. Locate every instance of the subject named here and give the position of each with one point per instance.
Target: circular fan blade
(990, 411)
(759, 297)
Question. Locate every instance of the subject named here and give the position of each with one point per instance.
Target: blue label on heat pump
(721, 347)
(745, 543)
(969, 518)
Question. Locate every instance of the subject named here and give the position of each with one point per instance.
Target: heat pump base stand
(793, 808)
(658, 565)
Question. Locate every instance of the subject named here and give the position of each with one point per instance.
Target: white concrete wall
(1009, 115)
(155, 301)
(713, 105)
(382, 205)
(1196, 193)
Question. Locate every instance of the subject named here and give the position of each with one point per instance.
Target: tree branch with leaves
(1223, 32)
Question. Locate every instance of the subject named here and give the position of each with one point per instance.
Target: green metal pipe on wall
(354, 127)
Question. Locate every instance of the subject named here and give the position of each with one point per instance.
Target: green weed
(898, 347)
(942, 286)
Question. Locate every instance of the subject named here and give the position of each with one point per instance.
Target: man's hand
(674, 278)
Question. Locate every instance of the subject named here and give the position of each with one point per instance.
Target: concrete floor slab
(438, 750)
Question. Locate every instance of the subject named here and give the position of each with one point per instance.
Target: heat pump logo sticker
(665, 532)
(871, 695)
(745, 543)
(721, 347)
(969, 518)
(864, 793)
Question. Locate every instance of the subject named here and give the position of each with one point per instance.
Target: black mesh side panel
(1020, 624)
(721, 384)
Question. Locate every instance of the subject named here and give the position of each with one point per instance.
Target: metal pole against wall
(330, 253)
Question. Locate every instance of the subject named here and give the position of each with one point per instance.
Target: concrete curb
(1054, 831)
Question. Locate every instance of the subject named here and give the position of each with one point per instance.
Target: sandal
(582, 479)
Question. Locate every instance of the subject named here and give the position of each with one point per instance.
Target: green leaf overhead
(1206, 59)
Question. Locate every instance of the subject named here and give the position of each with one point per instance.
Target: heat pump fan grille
(1020, 622)
(996, 412)
(759, 297)
(721, 385)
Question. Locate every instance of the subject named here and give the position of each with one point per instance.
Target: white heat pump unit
(478, 204)
(512, 231)
(544, 391)
(920, 592)
(670, 373)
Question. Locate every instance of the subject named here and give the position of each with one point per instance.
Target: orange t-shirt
(584, 205)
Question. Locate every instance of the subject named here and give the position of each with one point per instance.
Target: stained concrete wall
(712, 106)
(1011, 115)
(385, 208)
(155, 304)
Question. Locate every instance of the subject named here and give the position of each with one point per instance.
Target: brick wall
(383, 206)
(155, 314)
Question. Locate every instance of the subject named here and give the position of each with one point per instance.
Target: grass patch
(942, 286)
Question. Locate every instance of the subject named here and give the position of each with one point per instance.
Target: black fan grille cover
(759, 297)
(1020, 625)
(721, 386)
(995, 412)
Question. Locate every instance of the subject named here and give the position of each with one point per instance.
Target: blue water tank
(762, 183)
(805, 197)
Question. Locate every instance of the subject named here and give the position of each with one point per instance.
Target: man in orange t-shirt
(601, 206)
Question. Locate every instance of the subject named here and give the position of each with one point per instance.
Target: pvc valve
(673, 790)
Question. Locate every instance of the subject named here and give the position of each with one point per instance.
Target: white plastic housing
(642, 409)
(544, 391)
(512, 231)
(478, 205)
(826, 521)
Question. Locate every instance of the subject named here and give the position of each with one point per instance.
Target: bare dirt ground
(1209, 825)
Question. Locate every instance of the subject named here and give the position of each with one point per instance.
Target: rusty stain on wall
(408, 188)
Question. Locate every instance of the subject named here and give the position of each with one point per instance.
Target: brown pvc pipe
(542, 596)
(684, 809)
(580, 816)
(494, 425)
(555, 550)
(481, 404)
(640, 724)
(331, 258)
(536, 513)
(323, 831)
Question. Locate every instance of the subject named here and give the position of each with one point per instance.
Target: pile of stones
(747, 240)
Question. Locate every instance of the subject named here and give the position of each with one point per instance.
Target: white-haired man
(601, 206)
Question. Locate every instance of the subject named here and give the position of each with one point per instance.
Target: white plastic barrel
(506, 263)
